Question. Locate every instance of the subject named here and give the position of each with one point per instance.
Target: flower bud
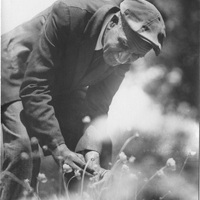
(125, 168)
(86, 119)
(131, 159)
(123, 157)
(67, 168)
(77, 174)
(171, 164)
(42, 178)
(160, 173)
(45, 147)
(192, 153)
(24, 156)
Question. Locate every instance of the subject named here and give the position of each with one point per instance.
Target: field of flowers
(128, 179)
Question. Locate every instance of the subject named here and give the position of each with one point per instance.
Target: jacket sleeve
(37, 86)
(98, 100)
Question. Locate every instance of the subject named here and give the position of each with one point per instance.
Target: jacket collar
(94, 25)
(90, 37)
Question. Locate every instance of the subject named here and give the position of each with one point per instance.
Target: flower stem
(83, 176)
(25, 185)
(127, 142)
(67, 187)
(150, 179)
(184, 164)
(161, 198)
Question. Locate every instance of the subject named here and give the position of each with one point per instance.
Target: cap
(143, 18)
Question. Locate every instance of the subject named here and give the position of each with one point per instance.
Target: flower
(67, 168)
(191, 153)
(123, 157)
(92, 186)
(137, 135)
(160, 172)
(45, 147)
(110, 164)
(86, 196)
(133, 176)
(131, 159)
(24, 156)
(171, 164)
(42, 178)
(125, 168)
(94, 178)
(86, 119)
(77, 174)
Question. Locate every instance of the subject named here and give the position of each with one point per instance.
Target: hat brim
(138, 40)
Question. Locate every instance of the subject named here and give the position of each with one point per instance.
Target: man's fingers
(75, 166)
(80, 157)
(88, 169)
(67, 168)
(79, 160)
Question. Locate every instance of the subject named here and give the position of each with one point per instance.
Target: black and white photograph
(99, 100)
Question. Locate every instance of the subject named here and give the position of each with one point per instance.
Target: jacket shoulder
(90, 6)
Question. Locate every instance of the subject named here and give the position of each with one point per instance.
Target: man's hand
(102, 175)
(94, 159)
(94, 162)
(63, 155)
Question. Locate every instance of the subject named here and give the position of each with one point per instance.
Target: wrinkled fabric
(16, 156)
(62, 79)
(60, 64)
(51, 57)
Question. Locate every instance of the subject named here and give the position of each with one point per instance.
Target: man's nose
(124, 56)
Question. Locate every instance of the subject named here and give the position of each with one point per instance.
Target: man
(69, 62)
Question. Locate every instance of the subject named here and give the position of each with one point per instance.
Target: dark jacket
(16, 46)
(61, 61)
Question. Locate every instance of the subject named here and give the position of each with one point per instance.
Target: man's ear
(114, 21)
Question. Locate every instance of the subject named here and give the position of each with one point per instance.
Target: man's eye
(134, 57)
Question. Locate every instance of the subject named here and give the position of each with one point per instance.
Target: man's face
(116, 50)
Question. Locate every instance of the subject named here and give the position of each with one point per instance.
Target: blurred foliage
(181, 47)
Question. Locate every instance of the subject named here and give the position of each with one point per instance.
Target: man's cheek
(109, 59)
(133, 58)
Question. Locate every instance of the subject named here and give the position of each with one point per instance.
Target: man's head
(132, 32)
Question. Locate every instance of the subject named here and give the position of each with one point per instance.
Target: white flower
(125, 168)
(67, 168)
(92, 186)
(24, 156)
(171, 164)
(86, 196)
(133, 176)
(160, 172)
(131, 159)
(26, 181)
(77, 174)
(94, 179)
(191, 153)
(137, 135)
(86, 119)
(45, 147)
(42, 178)
(122, 157)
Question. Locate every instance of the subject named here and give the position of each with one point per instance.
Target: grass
(123, 182)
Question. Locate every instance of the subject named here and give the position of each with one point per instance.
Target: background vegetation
(181, 48)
